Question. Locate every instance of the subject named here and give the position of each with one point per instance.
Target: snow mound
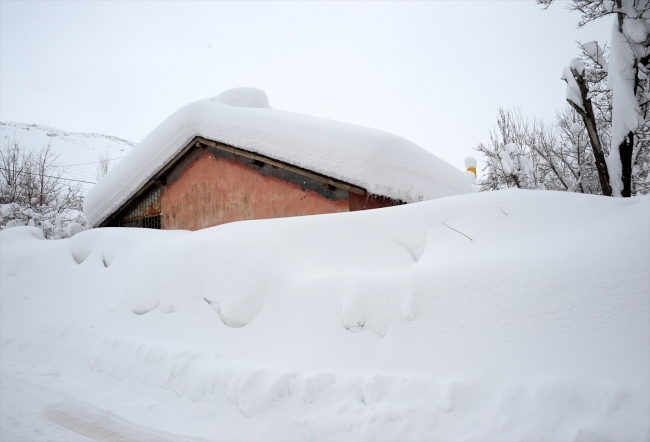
(572, 89)
(575, 129)
(380, 162)
(470, 162)
(492, 316)
(243, 97)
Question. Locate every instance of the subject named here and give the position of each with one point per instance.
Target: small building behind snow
(233, 157)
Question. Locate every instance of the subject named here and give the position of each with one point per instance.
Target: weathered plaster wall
(212, 191)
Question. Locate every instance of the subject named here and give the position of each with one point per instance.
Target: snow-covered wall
(382, 163)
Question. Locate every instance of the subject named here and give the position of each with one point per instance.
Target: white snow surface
(578, 65)
(576, 128)
(626, 115)
(507, 315)
(470, 162)
(595, 52)
(572, 89)
(382, 163)
(81, 150)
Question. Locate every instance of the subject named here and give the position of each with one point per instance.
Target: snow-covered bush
(34, 193)
(54, 224)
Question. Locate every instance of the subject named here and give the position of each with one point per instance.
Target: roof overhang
(198, 142)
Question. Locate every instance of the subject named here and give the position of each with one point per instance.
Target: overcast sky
(432, 72)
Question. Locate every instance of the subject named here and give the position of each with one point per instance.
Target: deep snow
(387, 324)
(380, 162)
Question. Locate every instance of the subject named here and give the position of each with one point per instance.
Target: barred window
(146, 212)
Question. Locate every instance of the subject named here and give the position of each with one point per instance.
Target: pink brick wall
(212, 192)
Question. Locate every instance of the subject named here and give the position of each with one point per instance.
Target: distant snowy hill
(79, 151)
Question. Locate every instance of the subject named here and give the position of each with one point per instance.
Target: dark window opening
(149, 222)
(145, 213)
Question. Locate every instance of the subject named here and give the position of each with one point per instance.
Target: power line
(49, 176)
(75, 173)
(92, 162)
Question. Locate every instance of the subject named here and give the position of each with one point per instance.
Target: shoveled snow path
(33, 411)
(21, 419)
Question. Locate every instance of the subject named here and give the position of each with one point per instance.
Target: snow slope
(380, 162)
(74, 147)
(386, 324)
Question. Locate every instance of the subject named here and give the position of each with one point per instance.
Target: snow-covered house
(233, 157)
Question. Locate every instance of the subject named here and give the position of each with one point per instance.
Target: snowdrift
(497, 316)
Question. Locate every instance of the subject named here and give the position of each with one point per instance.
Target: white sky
(432, 72)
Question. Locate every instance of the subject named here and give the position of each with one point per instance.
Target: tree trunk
(589, 119)
(627, 145)
(625, 150)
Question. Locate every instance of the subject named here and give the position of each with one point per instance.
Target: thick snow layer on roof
(382, 163)
(374, 325)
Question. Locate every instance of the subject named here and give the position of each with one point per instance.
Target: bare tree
(12, 167)
(575, 75)
(510, 161)
(34, 192)
(531, 154)
(573, 153)
(103, 166)
(575, 150)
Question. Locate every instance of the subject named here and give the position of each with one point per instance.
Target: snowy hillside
(80, 151)
(510, 315)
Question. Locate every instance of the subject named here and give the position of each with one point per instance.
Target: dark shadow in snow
(81, 252)
(142, 309)
(416, 251)
(217, 308)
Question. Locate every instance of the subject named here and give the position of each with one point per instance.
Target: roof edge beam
(299, 170)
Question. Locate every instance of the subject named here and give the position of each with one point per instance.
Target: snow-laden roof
(380, 162)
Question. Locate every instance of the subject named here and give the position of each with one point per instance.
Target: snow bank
(492, 316)
(382, 163)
